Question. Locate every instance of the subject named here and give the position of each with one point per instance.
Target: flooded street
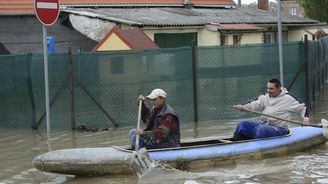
(19, 147)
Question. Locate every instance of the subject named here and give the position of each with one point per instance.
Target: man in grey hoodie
(277, 102)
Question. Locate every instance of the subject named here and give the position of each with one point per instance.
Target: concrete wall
(95, 29)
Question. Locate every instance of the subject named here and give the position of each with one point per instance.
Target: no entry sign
(46, 11)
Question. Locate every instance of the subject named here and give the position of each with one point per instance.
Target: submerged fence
(101, 89)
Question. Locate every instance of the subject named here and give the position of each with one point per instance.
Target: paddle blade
(141, 162)
(324, 127)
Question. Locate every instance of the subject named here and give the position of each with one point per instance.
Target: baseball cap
(156, 93)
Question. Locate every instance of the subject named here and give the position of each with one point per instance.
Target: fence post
(194, 82)
(71, 87)
(306, 72)
(30, 89)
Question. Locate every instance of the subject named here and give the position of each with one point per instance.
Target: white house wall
(252, 38)
(297, 35)
(247, 38)
(208, 38)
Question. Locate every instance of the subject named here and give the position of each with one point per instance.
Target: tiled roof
(16, 7)
(136, 39)
(25, 7)
(188, 17)
(117, 2)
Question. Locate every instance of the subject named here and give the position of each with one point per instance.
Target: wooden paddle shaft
(278, 118)
(138, 125)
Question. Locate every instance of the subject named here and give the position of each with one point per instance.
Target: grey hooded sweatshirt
(283, 106)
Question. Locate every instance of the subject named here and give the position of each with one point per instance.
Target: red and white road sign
(46, 11)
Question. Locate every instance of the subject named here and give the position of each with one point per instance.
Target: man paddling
(277, 102)
(163, 127)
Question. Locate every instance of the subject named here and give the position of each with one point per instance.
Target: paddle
(324, 123)
(138, 125)
(141, 162)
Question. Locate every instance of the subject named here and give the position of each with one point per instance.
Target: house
(20, 31)
(292, 7)
(20, 14)
(179, 25)
(125, 39)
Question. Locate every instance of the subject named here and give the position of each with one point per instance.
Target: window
(293, 11)
(117, 65)
(236, 39)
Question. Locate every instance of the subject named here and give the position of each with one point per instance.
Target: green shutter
(173, 40)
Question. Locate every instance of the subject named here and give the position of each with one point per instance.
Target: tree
(315, 9)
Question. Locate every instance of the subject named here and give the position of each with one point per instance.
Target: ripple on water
(35, 176)
(322, 181)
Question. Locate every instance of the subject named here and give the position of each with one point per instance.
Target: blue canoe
(194, 153)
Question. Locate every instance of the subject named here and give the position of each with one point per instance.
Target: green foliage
(317, 9)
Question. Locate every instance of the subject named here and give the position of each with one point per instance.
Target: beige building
(292, 7)
(183, 25)
(178, 27)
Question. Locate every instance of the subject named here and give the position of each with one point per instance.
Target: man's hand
(239, 107)
(306, 121)
(139, 132)
(141, 98)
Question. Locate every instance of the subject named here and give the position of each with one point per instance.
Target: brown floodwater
(19, 147)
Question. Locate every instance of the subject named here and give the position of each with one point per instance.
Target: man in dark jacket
(163, 127)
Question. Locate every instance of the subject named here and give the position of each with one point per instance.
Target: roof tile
(17, 7)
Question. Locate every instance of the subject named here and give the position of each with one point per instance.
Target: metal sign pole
(46, 79)
(281, 63)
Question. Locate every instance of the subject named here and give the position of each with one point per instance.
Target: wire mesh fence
(102, 89)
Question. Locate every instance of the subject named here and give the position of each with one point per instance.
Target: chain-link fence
(102, 89)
